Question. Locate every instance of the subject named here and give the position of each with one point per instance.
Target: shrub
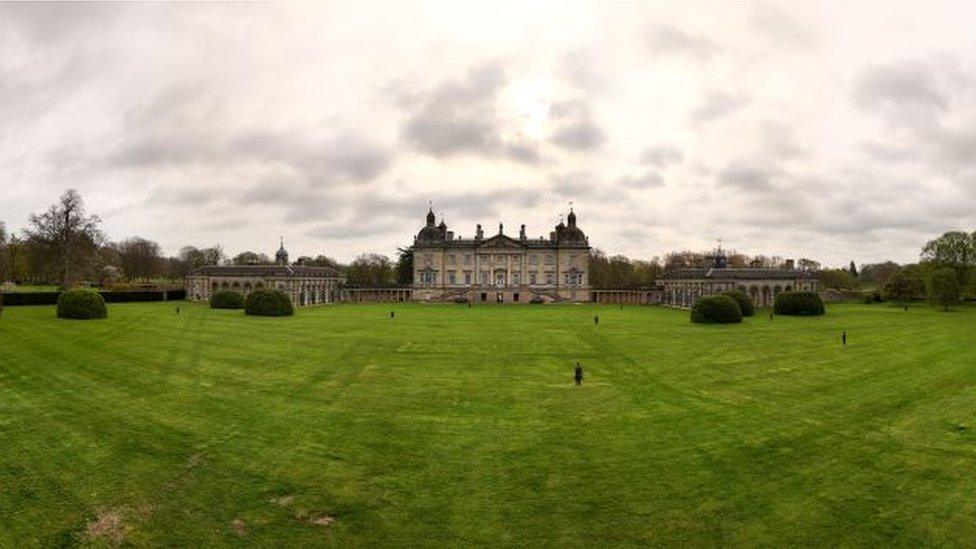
(268, 303)
(81, 304)
(745, 304)
(716, 309)
(31, 298)
(798, 304)
(227, 300)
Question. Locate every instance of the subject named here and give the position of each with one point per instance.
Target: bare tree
(68, 234)
(140, 258)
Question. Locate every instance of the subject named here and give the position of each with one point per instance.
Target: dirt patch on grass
(107, 526)
(282, 501)
(239, 527)
(194, 460)
(322, 520)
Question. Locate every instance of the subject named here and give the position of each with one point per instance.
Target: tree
(251, 258)
(954, 249)
(877, 274)
(903, 286)
(140, 258)
(370, 271)
(318, 261)
(853, 270)
(837, 279)
(4, 270)
(944, 289)
(404, 267)
(66, 235)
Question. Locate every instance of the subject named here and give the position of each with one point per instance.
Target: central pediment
(501, 241)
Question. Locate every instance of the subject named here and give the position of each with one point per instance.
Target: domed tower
(432, 231)
(281, 257)
(570, 232)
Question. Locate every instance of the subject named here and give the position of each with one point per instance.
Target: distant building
(682, 287)
(305, 285)
(501, 268)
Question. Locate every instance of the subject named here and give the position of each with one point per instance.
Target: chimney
(522, 233)
(501, 229)
(478, 233)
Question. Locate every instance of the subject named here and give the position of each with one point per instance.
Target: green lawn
(453, 426)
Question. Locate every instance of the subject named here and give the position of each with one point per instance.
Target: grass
(28, 288)
(461, 426)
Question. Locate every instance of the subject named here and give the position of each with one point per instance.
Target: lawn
(453, 426)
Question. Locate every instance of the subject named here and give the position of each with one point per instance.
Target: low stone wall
(375, 295)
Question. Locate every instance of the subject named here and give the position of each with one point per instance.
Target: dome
(430, 232)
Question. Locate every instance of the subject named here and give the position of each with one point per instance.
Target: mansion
(682, 287)
(304, 285)
(501, 268)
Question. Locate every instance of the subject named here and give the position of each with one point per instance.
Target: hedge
(268, 303)
(81, 304)
(227, 300)
(798, 304)
(745, 304)
(50, 298)
(716, 309)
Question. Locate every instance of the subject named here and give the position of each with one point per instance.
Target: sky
(833, 131)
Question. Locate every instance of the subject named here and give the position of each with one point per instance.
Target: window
(533, 259)
(550, 259)
(467, 278)
(499, 279)
(515, 279)
(467, 259)
(532, 279)
(550, 278)
(451, 278)
(484, 277)
(451, 259)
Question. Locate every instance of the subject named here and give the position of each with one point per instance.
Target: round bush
(798, 304)
(268, 303)
(227, 300)
(81, 304)
(745, 304)
(716, 309)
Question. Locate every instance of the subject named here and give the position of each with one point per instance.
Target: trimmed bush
(798, 304)
(227, 300)
(81, 304)
(716, 309)
(268, 303)
(745, 304)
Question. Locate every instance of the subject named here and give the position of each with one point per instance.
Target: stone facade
(304, 285)
(682, 287)
(500, 268)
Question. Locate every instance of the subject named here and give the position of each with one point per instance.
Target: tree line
(64, 245)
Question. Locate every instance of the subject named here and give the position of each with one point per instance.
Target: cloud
(672, 40)
(660, 156)
(646, 180)
(461, 117)
(717, 104)
(575, 129)
(899, 85)
(748, 176)
(575, 184)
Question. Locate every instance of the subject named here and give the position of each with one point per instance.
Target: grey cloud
(717, 104)
(583, 135)
(646, 180)
(574, 184)
(669, 39)
(748, 176)
(887, 153)
(780, 141)
(899, 85)
(661, 156)
(779, 25)
(460, 117)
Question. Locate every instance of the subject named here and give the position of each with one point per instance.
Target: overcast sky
(831, 131)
